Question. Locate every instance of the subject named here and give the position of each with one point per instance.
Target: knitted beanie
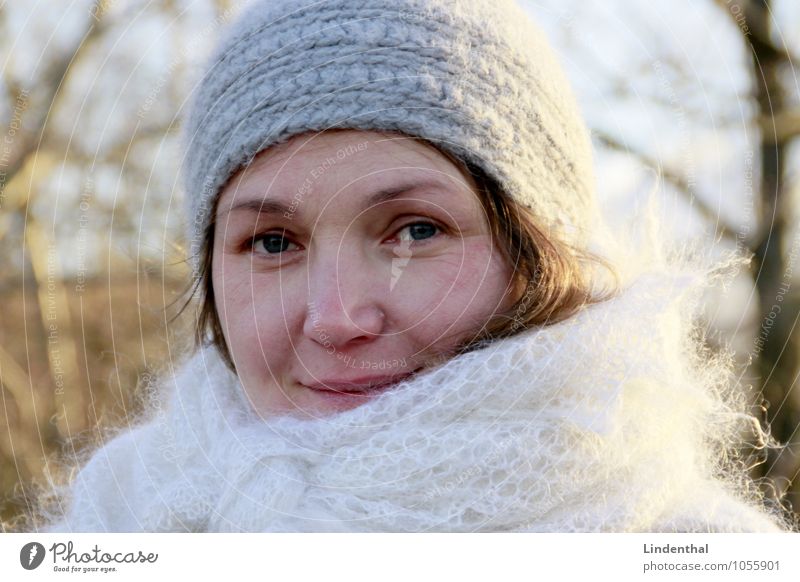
(475, 78)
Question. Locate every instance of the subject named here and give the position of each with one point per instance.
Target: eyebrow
(268, 206)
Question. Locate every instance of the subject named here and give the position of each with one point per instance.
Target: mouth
(359, 387)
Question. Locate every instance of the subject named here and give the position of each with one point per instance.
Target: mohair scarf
(612, 420)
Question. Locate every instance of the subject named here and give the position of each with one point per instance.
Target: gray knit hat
(476, 78)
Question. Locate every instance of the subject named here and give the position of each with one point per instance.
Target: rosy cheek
(434, 292)
(476, 264)
(480, 282)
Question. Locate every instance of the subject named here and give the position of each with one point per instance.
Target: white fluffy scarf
(609, 421)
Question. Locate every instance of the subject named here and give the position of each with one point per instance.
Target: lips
(360, 386)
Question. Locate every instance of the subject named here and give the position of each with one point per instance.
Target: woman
(412, 317)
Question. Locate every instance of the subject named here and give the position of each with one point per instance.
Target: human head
(336, 285)
(498, 111)
(475, 78)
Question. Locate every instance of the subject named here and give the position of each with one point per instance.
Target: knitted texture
(607, 421)
(475, 77)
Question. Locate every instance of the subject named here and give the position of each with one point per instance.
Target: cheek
(460, 288)
(252, 319)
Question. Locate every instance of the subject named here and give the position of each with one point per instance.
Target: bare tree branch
(753, 19)
(50, 87)
(678, 181)
(781, 127)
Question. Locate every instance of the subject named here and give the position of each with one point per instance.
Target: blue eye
(419, 231)
(272, 243)
(275, 243)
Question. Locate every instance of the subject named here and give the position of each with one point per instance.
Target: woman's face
(345, 261)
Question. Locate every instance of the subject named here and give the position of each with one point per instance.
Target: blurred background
(92, 274)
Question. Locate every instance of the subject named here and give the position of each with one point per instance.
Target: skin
(336, 288)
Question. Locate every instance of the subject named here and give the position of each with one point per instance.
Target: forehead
(336, 160)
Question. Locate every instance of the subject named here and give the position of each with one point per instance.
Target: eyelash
(252, 242)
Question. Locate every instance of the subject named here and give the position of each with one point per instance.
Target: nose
(342, 308)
